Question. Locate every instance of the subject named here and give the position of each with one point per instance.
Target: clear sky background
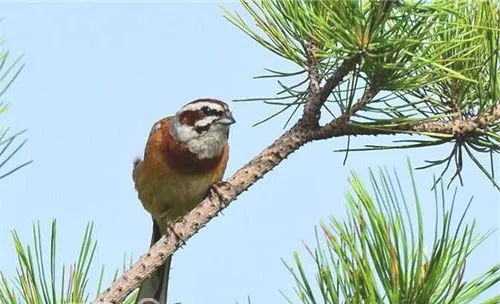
(97, 77)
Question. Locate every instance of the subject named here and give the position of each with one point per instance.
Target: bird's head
(203, 126)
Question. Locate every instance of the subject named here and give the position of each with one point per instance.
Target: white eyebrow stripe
(199, 105)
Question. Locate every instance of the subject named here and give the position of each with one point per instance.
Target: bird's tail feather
(155, 287)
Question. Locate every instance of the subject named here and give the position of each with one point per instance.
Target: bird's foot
(170, 226)
(178, 237)
(215, 192)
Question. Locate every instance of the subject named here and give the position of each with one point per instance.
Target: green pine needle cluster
(378, 254)
(431, 61)
(8, 143)
(45, 280)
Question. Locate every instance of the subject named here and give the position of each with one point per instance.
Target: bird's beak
(227, 119)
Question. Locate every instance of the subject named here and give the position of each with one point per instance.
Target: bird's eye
(206, 111)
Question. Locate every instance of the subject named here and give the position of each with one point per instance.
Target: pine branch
(312, 108)
(457, 129)
(297, 136)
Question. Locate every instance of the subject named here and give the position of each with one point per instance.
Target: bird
(185, 155)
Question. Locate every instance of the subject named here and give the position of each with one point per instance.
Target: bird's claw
(178, 237)
(215, 192)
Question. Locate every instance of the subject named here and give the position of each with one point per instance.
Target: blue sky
(97, 77)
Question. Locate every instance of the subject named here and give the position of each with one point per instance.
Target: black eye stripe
(211, 112)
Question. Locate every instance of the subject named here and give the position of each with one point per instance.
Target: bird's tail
(155, 287)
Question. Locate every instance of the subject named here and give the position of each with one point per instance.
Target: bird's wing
(153, 170)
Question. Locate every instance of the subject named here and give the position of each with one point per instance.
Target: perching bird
(184, 156)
